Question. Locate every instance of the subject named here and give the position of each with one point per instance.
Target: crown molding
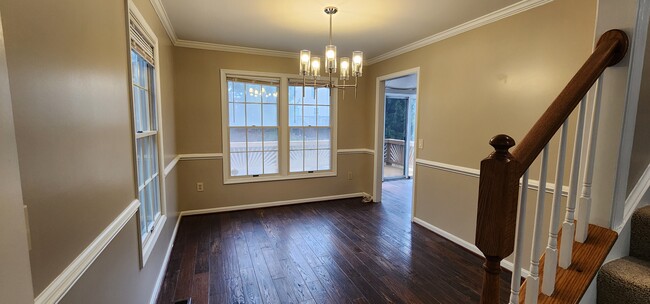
(233, 48)
(164, 19)
(505, 12)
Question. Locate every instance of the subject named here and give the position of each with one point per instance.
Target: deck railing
(501, 223)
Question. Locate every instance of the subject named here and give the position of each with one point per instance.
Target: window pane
(271, 162)
(295, 115)
(143, 218)
(309, 116)
(254, 140)
(144, 115)
(253, 114)
(154, 154)
(239, 93)
(294, 94)
(147, 159)
(236, 114)
(324, 138)
(148, 204)
(270, 115)
(156, 197)
(310, 138)
(295, 139)
(295, 161)
(271, 139)
(324, 159)
(323, 116)
(134, 67)
(238, 164)
(323, 96)
(253, 93)
(309, 95)
(311, 160)
(231, 91)
(270, 94)
(143, 73)
(237, 139)
(255, 163)
(139, 155)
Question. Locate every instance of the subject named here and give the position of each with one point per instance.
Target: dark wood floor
(331, 252)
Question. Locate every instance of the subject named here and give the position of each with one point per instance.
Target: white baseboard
(54, 292)
(274, 204)
(163, 267)
(465, 244)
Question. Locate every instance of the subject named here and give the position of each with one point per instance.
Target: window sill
(248, 179)
(150, 243)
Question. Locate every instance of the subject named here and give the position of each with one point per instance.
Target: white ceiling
(373, 26)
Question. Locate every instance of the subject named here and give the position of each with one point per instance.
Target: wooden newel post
(497, 212)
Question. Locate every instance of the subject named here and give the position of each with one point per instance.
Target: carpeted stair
(627, 280)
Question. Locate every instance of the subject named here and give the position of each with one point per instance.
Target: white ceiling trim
(505, 12)
(233, 48)
(164, 19)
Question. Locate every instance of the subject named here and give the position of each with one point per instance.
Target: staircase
(627, 280)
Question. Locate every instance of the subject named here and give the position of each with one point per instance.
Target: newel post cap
(502, 143)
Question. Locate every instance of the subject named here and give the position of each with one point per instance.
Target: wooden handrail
(501, 170)
(610, 50)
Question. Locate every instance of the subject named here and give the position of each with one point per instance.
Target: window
(309, 128)
(144, 92)
(270, 132)
(253, 123)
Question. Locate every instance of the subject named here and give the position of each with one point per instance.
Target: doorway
(395, 134)
(399, 127)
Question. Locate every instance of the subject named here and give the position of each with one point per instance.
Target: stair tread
(571, 283)
(626, 280)
(630, 269)
(640, 237)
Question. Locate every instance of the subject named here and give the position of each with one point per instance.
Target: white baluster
(550, 262)
(532, 284)
(515, 281)
(568, 227)
(584, 204)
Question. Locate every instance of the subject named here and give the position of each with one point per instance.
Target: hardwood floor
(340, 251)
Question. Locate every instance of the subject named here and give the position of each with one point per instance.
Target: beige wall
(15, 273)
(116, 277)
(198, 114)
(641, 148)
(68, 71)
(495, 79)
(68, 79)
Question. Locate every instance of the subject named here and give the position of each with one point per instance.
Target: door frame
(380, 115)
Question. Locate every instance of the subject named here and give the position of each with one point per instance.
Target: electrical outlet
(349, 175)
(420, 143)
(199, 187)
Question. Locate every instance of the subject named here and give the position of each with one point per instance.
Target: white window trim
(283, 127)
(146, 246)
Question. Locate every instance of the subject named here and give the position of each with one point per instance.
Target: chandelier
(311, 66)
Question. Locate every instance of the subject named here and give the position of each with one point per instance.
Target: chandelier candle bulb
(344, 73)
(357, 63)
(330, 59)
(305, 56)
(315, 66)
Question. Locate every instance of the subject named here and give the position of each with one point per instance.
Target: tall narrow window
(253, 126)
(310, 131)
(145, 114)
